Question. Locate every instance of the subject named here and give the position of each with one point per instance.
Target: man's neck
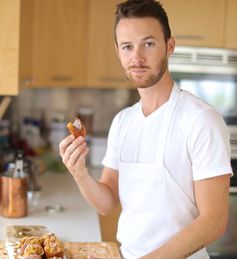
(155, 96)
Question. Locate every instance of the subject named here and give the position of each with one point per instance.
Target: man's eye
(126, 47)
(149, 44)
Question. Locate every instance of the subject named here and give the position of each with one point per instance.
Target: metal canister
(14, 196)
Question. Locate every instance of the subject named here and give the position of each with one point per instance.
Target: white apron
(154, 207)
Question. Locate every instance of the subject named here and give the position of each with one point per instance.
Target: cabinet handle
(112, 79)
(189, 37)
(61, 78)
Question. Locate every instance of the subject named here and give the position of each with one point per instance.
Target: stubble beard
(152, 79)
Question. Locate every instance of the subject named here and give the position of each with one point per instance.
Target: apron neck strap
(172, 102)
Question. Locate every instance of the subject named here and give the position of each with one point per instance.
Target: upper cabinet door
(58, 57)
(197, 22)
(9, 46)
(231, 24)
(25, 54)
(103, 66)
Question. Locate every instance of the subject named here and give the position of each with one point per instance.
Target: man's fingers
(76, 155)
(65, 143)
(82, 156)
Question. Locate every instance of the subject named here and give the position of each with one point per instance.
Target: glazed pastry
(33, 242)
(77, 128)
(47, 246)
(33, 249)
(53, 247)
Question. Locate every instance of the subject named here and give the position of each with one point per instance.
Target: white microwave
(210, 74)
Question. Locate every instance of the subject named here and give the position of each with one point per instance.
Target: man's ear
(170, 45)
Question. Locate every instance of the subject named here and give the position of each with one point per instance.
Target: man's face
(142, 50)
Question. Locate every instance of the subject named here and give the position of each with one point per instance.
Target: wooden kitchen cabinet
(42, 44)
(15, 44)
(103, 66)
(59, 32)
(231, 28)
(197, 23)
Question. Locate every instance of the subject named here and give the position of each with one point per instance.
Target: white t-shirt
(197, 145)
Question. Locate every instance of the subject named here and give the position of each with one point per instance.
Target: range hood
(203, 60)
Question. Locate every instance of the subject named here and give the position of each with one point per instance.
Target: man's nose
(137, 57)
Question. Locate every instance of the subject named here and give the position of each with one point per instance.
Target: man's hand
(103, 194)
(73, 152)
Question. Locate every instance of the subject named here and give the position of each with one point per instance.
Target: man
(167, 160)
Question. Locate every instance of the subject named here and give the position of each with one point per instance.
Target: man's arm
(212, 198)
(102, 195)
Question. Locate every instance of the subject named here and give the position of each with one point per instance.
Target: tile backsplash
(104, 102)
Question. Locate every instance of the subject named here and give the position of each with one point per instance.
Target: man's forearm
(97, 194)
(194, 237)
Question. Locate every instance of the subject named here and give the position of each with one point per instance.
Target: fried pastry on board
(46, 246)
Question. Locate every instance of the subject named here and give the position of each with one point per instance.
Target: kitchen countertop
(77, 222)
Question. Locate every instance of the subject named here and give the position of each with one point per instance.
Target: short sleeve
(209, 146)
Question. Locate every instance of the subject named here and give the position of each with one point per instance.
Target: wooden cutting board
(100, 250)
(79, 250)
(73, 250)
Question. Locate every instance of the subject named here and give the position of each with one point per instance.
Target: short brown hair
(141, 9)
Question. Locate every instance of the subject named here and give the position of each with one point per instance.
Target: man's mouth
(138, 70)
